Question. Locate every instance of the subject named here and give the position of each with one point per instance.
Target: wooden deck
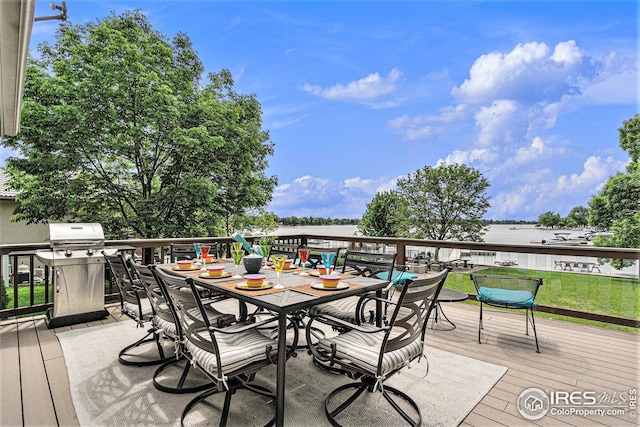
(34, 389)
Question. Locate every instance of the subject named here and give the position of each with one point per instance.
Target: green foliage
(4, 298)
(578, 217)
(619, 199)
(383, 217)
(444, 203)
(118, 129)
(617, 206)
(626, 234)
(549, 219)
(630, 142)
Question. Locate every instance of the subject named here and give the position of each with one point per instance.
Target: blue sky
(358, 94)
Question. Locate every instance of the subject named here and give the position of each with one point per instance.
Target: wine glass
(237, 258)
(196, 247)
(237, 246)
(265, 253)
(278, 263)
(204, 252)
(327, 260)
(304, 256)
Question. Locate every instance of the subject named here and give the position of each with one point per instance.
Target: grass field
(585, 292)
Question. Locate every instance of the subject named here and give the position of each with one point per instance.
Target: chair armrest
(234, 330)
(368, 329)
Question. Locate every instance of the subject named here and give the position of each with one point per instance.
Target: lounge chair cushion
(364, 349)
(507, 297)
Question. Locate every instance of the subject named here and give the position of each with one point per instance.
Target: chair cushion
(133, 311)
(169, 328)
(236, 350)
(363, 349)
(507, 297)
(399, 277)
(344, 309)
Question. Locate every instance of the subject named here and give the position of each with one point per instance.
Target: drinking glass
(278, 263)
(327, 260)
(204, 252)
(304, 256)
(237, 246)
(196, 246)
(265, 253)
(237, 258)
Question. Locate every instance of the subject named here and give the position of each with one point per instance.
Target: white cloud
(616, 89)
(312, 196)
(366, 89)
(420, 127)
(545, 190)
(494, 122)
(528, 72)
(468, 157)
(595, 171)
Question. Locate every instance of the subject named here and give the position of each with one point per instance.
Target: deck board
(10, 392)
(573, 357)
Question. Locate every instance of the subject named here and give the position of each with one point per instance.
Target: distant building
(15, 232)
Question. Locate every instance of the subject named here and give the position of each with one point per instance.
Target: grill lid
(75, 235)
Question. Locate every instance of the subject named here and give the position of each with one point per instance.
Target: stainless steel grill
(77, 264)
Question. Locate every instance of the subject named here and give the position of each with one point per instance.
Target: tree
(549, 219)
(383, 216)
(618, 199)
(579, 216)
(444, 203)
(118, 129)
(630, 141)
(617, 206)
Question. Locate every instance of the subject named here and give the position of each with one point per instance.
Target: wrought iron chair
(135, 305)
(373, 354)
(315, 257)
(365, 264)
(352, 309)
(229, 356)
(290, 250)
(516, 293)
(164, 378)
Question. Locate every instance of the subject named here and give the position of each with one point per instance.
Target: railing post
(400, 249)
(147, 256)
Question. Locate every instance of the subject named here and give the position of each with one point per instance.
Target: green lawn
(592, 293)
(586, 292)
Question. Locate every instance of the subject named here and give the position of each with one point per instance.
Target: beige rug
(107, 393)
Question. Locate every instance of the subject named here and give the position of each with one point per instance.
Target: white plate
(224, 275)
(318, 285)
(192, 268)
(245, 287)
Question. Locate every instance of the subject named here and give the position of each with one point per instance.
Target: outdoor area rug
(107, 393)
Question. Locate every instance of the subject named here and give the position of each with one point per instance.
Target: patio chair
(229, 356)
(352, 309)
(516, 293)
(374, 354)
(290, 250)
(135, 305)
(165, 320)
(315, 257)
(366, 264)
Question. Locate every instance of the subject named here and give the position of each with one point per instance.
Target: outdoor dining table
(296, 294)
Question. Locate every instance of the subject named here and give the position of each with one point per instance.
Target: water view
(497, 233)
